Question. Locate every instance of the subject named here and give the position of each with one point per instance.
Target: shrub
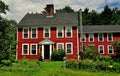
(40, 57)
(6, 62)
(58, 55)
(91, 53)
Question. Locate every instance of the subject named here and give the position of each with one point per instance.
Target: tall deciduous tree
(65, 9)
(7, 33)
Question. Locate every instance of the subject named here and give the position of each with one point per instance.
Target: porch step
(46, 60)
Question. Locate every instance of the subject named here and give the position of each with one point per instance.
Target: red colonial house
(41, 34)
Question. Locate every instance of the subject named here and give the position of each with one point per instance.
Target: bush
(6, 62)
(58, 55)
(40, 57)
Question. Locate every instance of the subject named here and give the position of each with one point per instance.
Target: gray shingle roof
(60, 19)
(41, 19)
(101, 28)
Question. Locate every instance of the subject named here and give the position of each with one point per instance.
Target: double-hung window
(91, 37)
(34, 33)
(46, 32)
(100, 37)
(110, 49)
(25, 49)
(101, 49)
(68, 32)
(83, 38)
(33, 49)
(60, 33)
(109, 37)
(60, 46)
(69, 48)
(25, 33)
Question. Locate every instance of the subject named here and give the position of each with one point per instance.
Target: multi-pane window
(69, 48)
(109, 37)
(83, 38)
(60, 32)
(60, 46)
(100, 37)
(26, 33)
(91, 37)
(46, 32)
(68, 32)
(34, 33)
(25, 49)
(101, 49)
(110, 49)
(33, 49)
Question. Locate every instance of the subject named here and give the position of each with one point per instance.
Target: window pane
(25, 33)
(69, 48)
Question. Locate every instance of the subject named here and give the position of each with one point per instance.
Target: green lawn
(55, 69)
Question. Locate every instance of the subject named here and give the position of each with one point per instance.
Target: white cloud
(18, 8)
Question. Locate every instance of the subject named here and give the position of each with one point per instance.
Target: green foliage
(64, 10)
(95, 65)
(40, 57)
(6, 62)
(7, 34)
(91, 53)
(58, 55)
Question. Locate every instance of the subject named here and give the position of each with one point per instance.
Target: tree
(116, 46)
(106, 16)
(7, 34)
(65, 9)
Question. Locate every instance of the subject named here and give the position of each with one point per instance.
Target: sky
(18, 8)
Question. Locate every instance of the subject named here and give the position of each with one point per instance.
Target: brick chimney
(49, 10)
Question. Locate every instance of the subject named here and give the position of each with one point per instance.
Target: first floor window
(69, 48)
(33, 49)
(101, 49)
(25, 49)
(110, 49)
(25, 33)
(60, 46)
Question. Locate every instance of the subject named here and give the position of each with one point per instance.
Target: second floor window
(68, 32)
(83, 38)
(34, 33)
(46, 32)
(109, 37)
(91, 37)
(100, 38)
(60, 32)
(25, 33)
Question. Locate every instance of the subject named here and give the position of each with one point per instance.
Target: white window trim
(108, 49)
(62, 32)
(36, 33)
(60, 43)
(31, 49)
(99, 49)
(84, 36)
(108, 38)
(44, 32)
(90, 37)
(27, 49)
(71, 47)
(23, 33)
(66, 32)
(102, 37)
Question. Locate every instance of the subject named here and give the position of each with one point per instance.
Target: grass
(55, 69)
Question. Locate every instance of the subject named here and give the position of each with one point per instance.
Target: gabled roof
(41, 19)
